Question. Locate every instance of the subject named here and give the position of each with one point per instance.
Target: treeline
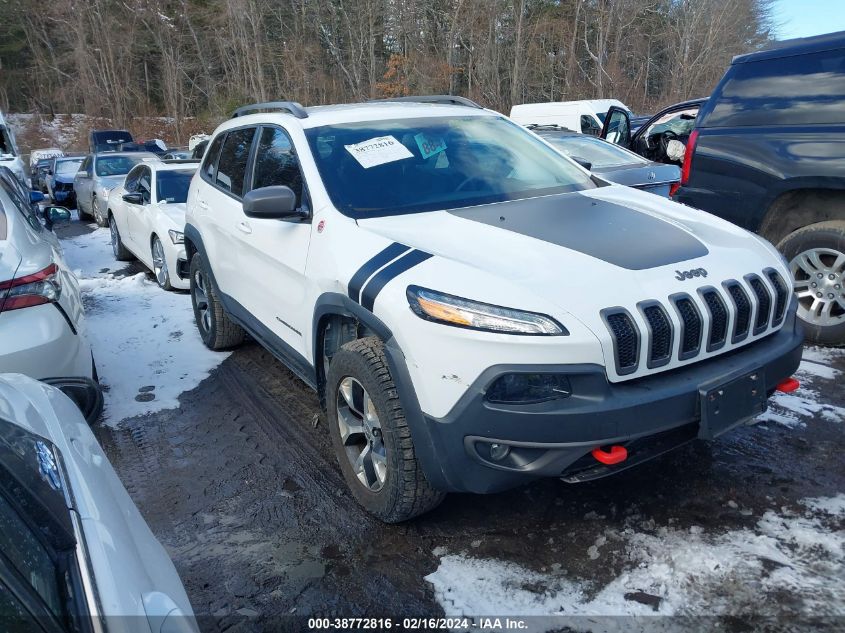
(183, 58)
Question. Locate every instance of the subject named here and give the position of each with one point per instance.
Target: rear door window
(234, 156)
(798, 90)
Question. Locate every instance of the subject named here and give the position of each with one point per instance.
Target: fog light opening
(499, 451)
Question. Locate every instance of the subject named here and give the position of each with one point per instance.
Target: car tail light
(32, 290)
(693, 138)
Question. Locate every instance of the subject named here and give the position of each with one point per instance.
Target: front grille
(626, 339)
(660, 334)
(764, 302)
(742, 309)
(734, 310)
(781, 295)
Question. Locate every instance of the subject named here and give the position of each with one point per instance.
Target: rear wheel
(371, 437)
(121, 253)
(162, 275)
(816, 256)
(99, 218)
(216, 329)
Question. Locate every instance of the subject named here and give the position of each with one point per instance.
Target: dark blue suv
(767, 152)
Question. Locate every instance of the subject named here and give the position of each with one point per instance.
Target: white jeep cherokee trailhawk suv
(474, 309)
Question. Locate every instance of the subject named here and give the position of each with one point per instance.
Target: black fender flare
(193, 236)
(334, 303)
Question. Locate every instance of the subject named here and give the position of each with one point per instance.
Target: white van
(585, 116)
(9, 155)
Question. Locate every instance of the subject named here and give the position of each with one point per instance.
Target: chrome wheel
(819, 278)
(95, 208)
(201, 301)
(361, 434)
(160, 263)
(115, 238)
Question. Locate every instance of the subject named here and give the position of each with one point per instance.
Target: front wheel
(371, 437)
(160, 265)
(816, 256)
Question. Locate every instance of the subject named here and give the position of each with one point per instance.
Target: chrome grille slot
(660, 333)
(764, 302)
(626, 339)
(718, 312)
(691, 325)
(781, 295)
(742, 309)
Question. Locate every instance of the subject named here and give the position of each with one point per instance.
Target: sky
(803, 18)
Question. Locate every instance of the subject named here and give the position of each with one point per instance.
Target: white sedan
(146, 217)
(76, 553)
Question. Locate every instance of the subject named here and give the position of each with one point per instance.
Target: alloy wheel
(201, 300)
(115, 237)
(159, 262)
(95, 207)
(361, 434)
(819, 278)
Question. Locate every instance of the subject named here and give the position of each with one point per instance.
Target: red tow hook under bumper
(615, 455)
(788, 386)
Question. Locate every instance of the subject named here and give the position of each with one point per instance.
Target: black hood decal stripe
(371, 266)
(387, 274)
(611, 232)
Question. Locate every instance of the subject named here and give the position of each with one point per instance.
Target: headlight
(451, 310)
(177, 237)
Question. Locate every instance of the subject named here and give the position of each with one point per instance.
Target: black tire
(99, 218)
(823, 235)
(121, 253)
(216, 329)
(405, 492)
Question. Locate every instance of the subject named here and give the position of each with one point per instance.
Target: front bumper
(649, 416)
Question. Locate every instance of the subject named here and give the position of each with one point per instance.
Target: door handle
(244, 227)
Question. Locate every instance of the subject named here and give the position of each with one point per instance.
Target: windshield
(172, 186)
(116, 165)
(67, 167)
(596, 151)
(378, 168)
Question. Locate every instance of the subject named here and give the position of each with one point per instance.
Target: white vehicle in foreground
(146, 216)
(42, 323)
(75, 549)
(474, 309)
(585, 116)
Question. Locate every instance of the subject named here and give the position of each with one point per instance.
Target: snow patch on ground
(144, 339)
(789, 564)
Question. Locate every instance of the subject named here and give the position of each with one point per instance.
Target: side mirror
(273, 203)
(57, 214)
(133, 198)
(36, 196)
(583, 162)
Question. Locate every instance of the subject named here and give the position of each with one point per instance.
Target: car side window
(276, 162)
(30, 558)
(22, 204)
(234, 156)
(86, 164)
(209, 165)
(131, 184)
(589, 125)
(145, 185)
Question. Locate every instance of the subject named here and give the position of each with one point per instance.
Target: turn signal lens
(177, 237)
(528, 388)
(452, 310)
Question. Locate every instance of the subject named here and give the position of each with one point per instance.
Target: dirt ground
(241, 486)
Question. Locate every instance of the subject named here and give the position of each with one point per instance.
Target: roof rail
(443, 99)
(291, 107)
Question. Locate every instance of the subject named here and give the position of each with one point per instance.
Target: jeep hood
(578, 250)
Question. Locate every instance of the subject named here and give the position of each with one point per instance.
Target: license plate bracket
(731, 403)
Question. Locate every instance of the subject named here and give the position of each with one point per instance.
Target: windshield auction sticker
(429, 146)
(378, 151)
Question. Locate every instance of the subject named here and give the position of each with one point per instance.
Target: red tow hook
(615, 455)
(788, 386)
